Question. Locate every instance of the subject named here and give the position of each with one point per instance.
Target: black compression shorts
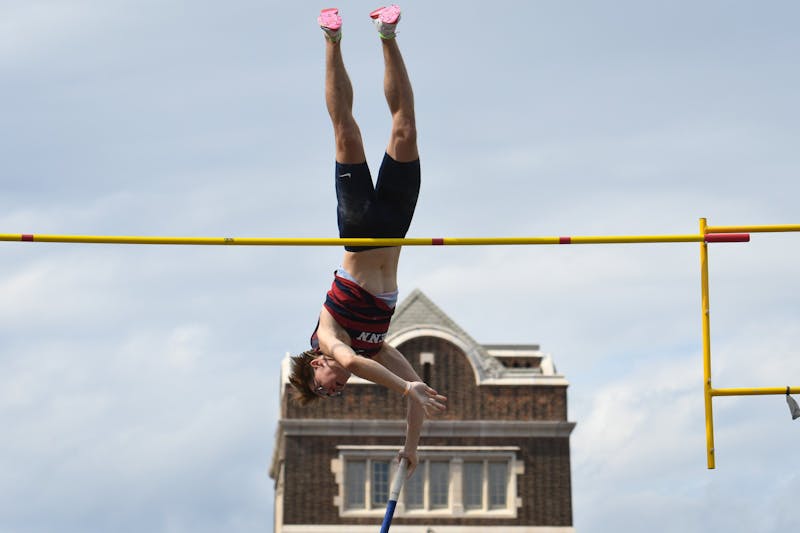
(381, 211)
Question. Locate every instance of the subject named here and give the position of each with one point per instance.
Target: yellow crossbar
(445, 241)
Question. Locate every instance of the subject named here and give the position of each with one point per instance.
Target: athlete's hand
(431, 401)
(411, 460)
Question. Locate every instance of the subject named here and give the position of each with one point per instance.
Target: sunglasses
(322, 391)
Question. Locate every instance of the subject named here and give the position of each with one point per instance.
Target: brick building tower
(497, 460)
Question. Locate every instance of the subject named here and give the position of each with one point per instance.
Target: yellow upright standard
(706, 347)
(709, 391)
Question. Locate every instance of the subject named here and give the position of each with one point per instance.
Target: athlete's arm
(333, 343)
(430, 400)
(392, 359)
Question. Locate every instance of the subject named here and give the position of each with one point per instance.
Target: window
(452, 481)
(380, 483)
(358, 490)
(433, 476)
(355, 477)
(485, 485)
(439, 480)
(414, 489)
(498, 483)
(473, 485)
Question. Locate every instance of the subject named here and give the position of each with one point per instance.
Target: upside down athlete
(350, 333)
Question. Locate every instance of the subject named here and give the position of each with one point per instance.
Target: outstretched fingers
(435, 402)
(431, 401)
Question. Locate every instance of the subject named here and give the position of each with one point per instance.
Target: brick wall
(545, 489)
(453, 376)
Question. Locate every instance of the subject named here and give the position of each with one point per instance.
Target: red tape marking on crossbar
(728, 237)
(565, 240)
(437, 242)
(27, 238)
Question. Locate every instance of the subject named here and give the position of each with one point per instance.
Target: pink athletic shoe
(386, 19)
(331, 23)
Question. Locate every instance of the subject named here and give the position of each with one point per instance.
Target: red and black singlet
(364, 316)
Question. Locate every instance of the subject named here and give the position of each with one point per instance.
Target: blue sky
(138, 385)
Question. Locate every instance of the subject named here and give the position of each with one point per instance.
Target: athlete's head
(315, 376)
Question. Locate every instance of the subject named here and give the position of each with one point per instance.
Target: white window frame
(369, 509)
(456, 456)
(486, 508)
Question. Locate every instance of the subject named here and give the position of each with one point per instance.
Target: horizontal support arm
(753, 229)
(755, 391)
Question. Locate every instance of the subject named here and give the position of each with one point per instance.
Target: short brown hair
(301, 377)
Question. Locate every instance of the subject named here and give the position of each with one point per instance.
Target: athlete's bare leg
(400, 97)
(339, 99)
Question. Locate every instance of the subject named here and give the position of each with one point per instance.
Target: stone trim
(432, 428)
(392, 450)
(312, 528)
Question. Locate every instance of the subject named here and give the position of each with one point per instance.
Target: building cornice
(432, 428)
(404, 528)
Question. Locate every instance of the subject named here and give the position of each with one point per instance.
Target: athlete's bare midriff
(375, 270)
